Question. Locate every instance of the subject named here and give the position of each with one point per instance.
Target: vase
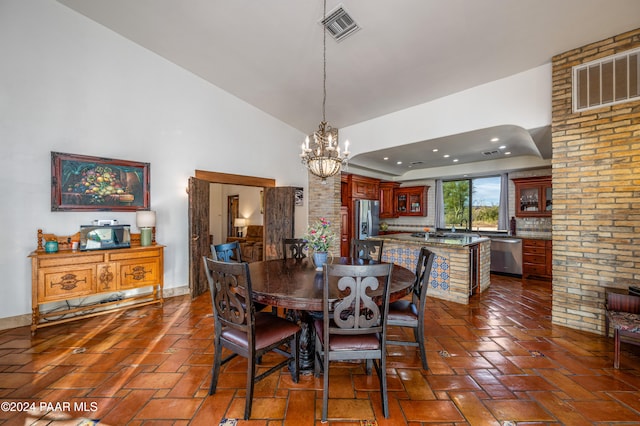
(319, 259)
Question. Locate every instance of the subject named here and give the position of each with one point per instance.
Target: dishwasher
(506, 256)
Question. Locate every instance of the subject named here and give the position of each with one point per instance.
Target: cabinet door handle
(195, 237)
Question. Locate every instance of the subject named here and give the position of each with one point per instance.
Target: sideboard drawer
(137, 273)
(63, 283)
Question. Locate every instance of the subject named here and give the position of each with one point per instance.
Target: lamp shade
(240, 222)
(145, 218)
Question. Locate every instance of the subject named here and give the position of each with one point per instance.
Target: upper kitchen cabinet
(533, 196)
(387, 193)
(411, 201)
(362, 187)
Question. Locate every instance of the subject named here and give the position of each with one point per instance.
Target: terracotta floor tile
(610, 411)
(169, 408)
(473, 409)
(431, 411)
(519, 411)
(497, 359)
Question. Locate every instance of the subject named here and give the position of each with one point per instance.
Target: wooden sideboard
(72, 275)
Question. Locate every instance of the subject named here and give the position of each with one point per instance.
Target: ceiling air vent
(491, 153)
(339, 24)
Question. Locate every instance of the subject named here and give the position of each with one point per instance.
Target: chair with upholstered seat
(343, 336)
(227, 252)
(411, 313)
(239, 329)
(366, 249)
(294, 248)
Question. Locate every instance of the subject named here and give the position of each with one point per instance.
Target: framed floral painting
(83, 183)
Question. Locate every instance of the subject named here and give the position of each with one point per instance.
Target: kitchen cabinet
(533, 197)
(363, 188)
(71, 274)
(387, 193)
(536, 258)
(353, 188)
(411, 201)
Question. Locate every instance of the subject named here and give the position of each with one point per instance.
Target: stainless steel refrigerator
(367, 221)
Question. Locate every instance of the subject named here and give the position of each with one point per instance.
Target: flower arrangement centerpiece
(319, 235)
(320, 238)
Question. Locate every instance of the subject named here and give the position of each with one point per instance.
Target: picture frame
(85, 183)
(299, 196)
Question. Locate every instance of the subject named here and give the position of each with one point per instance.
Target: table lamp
(240, 222)
(145, 221)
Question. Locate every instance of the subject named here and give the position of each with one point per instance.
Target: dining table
(296, 285)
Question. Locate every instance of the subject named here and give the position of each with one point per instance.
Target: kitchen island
(461, 267)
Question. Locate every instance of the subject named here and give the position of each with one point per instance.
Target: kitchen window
(472, 204)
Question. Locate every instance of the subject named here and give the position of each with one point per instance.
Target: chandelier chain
(323, 157)
(324, 61)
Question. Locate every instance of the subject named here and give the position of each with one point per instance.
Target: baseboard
(24, 320)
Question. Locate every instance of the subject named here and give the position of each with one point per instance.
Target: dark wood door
(279, 209)
(345, 240)
(199, 234)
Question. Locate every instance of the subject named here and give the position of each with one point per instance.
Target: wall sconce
(145, 221)
(240, 223)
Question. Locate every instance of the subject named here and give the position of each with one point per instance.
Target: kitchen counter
(461, 265)
(452, 239)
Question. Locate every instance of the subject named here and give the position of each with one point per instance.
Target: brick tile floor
(497, 361)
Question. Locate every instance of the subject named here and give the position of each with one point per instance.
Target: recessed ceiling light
(502, 147)
(507, 153)
(399, 162)
(455, 160)
(495, 139)
(385, 158)
(446, 156)
(435, 149)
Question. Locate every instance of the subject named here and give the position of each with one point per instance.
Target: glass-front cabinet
(411, 201)
(533, 196)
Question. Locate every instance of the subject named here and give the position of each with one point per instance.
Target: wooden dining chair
(227, 252)
(294, 248)
(366, 249)
(243, 331)
(411, 313)
(356, 327)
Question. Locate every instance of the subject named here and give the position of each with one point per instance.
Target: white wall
(68, 84)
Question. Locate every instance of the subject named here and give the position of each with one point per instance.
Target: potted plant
(320, 238)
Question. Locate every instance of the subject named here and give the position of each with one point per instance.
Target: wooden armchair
(623, 314)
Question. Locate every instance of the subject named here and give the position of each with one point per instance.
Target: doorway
(199, 219)
(233, 211)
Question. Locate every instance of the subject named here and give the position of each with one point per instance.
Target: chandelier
(322, 155)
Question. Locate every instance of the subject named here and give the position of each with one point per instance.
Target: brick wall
(324, 201)
(596, 194)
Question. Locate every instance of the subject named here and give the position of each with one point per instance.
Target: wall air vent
(607, 81)
(339, 24)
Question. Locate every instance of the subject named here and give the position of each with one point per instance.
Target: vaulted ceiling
(407, 52)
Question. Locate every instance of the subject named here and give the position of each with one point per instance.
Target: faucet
(465, 222)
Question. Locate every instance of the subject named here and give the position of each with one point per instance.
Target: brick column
(596, 193)
(324, 201)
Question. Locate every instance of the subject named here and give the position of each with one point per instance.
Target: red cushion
(338, 342)
(269, 329)
(402, 310)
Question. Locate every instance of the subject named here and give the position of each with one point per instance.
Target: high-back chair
(227, 252)
(294, 248)
(356, 327)
(239, 329)
(366, 249)
(405, 313)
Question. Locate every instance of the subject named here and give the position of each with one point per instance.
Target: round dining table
(296, 285)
